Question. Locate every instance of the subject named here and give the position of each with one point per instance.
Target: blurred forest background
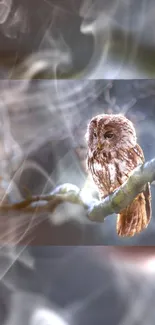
(43, 145)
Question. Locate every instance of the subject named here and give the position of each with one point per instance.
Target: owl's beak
(99, 146)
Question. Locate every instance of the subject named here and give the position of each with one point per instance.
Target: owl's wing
(147, 191)
(139, 152)
(137, 215)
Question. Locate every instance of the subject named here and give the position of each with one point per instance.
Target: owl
(112, 154)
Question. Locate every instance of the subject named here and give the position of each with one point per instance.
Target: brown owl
(113, 153)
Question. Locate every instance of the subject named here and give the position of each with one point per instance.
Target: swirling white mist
(119, 29)
(102, 19)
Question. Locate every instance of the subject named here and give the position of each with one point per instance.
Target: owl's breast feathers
(111, 169)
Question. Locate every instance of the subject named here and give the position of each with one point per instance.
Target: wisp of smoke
(119, 28)
(5, 8)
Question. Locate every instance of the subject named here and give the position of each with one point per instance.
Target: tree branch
(95, 210)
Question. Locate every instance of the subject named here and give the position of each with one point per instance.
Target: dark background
(81, 284)
(106, 39)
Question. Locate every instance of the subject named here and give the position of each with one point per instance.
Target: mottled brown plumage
(113, 153)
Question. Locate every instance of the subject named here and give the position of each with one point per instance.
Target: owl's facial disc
(108, 132)
(95, 133)
(105, 139)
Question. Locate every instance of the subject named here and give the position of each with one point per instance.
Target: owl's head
(110, 131)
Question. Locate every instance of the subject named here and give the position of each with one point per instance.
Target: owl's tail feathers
(136, 216)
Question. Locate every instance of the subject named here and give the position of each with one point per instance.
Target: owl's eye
(108, 135)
